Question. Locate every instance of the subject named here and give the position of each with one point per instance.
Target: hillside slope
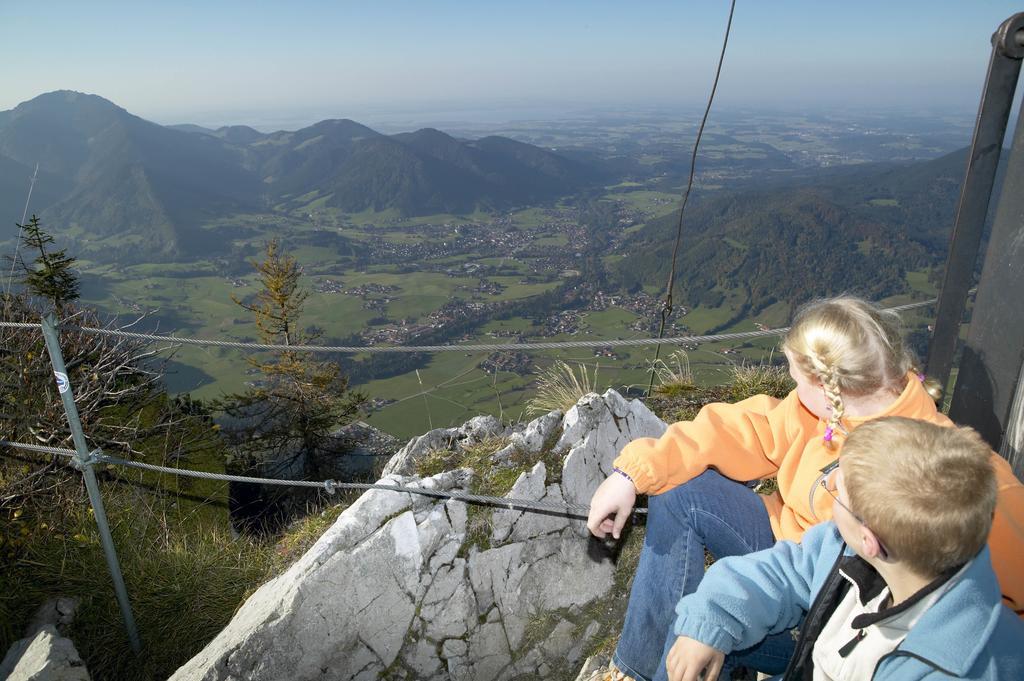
(124, 175)
(859, 232)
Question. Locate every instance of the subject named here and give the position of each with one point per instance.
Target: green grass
(611, 323)
(700, 319)
(184, 573)
(532, 218)
(651, 202)
(919, 281)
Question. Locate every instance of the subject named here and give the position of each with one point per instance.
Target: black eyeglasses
(830, 483)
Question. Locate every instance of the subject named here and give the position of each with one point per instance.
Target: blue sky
(243, 62)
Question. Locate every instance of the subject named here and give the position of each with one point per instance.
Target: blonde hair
(928, 491)
(853, 348)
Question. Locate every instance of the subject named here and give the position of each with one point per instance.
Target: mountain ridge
(121, 175)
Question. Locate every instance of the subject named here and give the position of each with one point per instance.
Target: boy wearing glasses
(898, 586)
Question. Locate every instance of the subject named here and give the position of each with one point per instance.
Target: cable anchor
(94, 457)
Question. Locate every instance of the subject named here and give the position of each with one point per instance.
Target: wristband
(623, 473)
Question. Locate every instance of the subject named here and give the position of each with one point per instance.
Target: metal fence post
(976, 193)
(994, 350)
(84, 461)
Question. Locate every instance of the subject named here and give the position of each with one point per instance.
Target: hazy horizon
(484, 116)
(408, 64)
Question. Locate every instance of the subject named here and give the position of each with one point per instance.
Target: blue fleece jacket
(966, 634)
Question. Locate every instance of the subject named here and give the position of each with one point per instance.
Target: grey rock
(489, 652)
(529, 438)
(448, 608)
(357, 447)
(576, 651)
(442, 482)
(593, 668)
(491, 567)
(354, 525)
(530, 666)
(454, 648)
(529, 486)
(404, 461)
(422, 659)
(434, 530)
(518, 526)
(350, 614)
(559, 641)
(445, 554)
(455, 654)
(57, 612)
(595, 430)
(531, 525)
(389, 580)
(46, 656)
(537, 433)
(480, 428)
(583, 417)
(554, 562)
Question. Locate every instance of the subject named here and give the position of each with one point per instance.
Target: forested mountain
(111, 173)
(859, 232)
(107, 173)
(122, 174)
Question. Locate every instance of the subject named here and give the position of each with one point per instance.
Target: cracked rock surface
(395, 589)
(46, 656)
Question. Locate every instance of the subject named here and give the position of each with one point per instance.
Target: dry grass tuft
(673, 374)
(560, 387)
(760, 379)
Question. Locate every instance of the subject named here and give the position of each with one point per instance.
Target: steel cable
(492, 347)
(330, 486)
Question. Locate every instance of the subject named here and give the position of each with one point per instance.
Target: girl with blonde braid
(850, 366)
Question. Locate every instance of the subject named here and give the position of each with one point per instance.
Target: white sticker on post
(62, 382)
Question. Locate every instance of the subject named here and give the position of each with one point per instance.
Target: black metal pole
(991, 366)
(976, 193)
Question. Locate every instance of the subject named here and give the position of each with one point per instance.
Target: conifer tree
(50, 276)
(286, 418)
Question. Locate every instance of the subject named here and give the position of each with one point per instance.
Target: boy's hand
(615, 496)
(688, 658)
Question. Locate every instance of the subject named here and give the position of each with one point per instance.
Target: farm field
(195, 299)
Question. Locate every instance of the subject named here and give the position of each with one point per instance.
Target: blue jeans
(709, 511)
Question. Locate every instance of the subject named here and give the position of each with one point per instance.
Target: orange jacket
(762, 437)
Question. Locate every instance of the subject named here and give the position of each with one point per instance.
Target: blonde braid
(829, 377)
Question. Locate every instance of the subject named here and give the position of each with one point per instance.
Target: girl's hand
(615, 497)
(688, 658)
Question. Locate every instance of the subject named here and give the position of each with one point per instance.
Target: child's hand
(688, 658)
(615, 497)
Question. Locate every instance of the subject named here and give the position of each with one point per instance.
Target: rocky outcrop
(474, 431)
(398, 587)
(46, 656)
